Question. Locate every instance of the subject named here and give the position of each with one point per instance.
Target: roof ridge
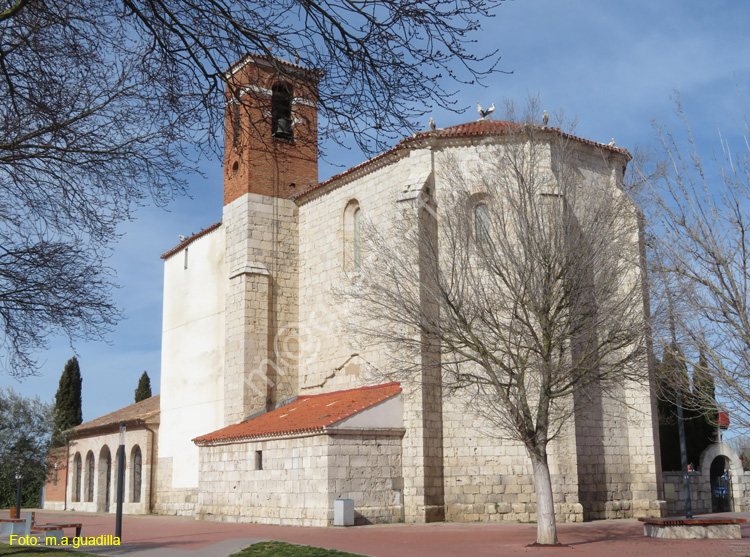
(483, 127)
(365, 388)
(187, 241)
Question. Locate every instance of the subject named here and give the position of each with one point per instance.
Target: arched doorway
(721, 485)
(104, 487)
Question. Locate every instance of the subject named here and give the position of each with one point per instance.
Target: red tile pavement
(188, 537)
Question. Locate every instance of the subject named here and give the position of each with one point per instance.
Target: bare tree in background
(107, 104)
(522, 277)
(700, 217)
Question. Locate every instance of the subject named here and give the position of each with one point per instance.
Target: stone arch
(104, 480)
(76, 472)
(352, 229)
(282, 123)
(707, 458)
(89, 473)
(136, 474)
(116, 473)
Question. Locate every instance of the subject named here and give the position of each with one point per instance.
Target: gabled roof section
(135, 413)
(308, 414)
(187, 241)
(479, 128)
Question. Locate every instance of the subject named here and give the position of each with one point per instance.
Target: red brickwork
(254, 160)
(57, 479)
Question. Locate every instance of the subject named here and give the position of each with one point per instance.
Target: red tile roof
(138, 412)
(469, 129)
(187, 241)
(271, 61)
(308, 414)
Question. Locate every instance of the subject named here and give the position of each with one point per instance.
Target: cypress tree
(143, 391)
(67, 412)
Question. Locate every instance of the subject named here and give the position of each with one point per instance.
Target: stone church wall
(327, 357)
(192, 365)
(490, 479)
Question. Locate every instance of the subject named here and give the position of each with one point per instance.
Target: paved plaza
(161, 536)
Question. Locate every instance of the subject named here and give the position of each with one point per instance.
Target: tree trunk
(546, 527)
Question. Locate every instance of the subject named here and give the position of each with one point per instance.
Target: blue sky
(613, 65)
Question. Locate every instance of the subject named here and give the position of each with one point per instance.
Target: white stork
(545, 118)
(484, 113)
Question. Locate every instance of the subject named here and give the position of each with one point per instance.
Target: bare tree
(700, 218)
(106, 105)
(521, 274)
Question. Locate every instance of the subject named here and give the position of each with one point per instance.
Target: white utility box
(343, 512)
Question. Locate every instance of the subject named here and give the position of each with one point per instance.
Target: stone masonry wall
(171, 500)
(366, 467)
(291, 487)
(490, 479)
(262, 308)
(300, 479)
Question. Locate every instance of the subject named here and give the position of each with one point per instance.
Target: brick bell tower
(271, 128)
(270, 153)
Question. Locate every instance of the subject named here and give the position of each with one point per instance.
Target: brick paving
(160, 536)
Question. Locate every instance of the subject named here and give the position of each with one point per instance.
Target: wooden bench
(693, 528)
(16, 526)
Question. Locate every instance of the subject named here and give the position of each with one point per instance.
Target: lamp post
(120, 482)
(19, 484)
(683, 456)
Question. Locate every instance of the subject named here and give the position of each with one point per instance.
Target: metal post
(19, 489)
(683, 456)
(120, 482)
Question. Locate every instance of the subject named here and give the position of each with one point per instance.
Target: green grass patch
(281, 549)
(15, 550)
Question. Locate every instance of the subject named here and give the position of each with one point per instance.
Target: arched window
(357, 239)
(104, 485)
(281, 111)
(88, 490)
(482, 223)
(76, 495)
(352, 236)
(136, 466)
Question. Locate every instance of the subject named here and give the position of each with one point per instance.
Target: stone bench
(16, 526)
(693, 528)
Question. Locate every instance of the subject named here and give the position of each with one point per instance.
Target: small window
(259, 460)
(281, 111)
(186, 258)
(482, 223)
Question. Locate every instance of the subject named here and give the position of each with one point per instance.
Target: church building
(266, 412)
